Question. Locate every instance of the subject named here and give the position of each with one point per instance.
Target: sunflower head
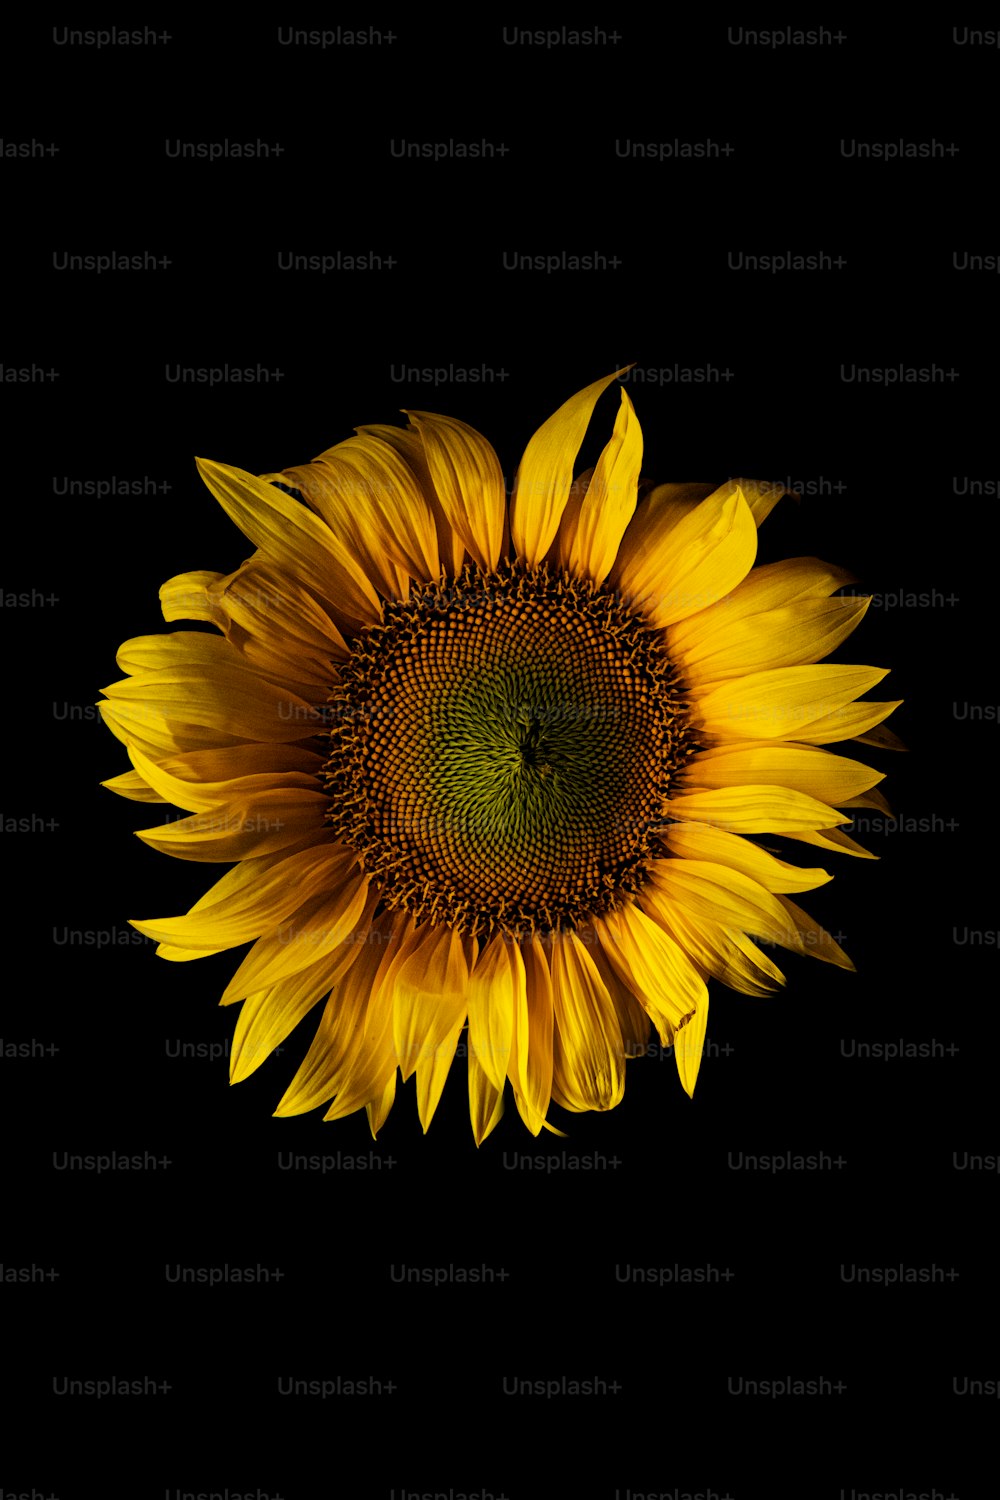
(493, 765)
(501, 745)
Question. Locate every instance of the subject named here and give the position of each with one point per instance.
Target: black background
(885, 476)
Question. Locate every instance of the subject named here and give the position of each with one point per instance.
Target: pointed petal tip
(684, 1072)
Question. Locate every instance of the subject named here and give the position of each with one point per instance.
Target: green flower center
(500, 748)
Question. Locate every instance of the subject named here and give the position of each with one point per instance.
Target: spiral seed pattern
(500, 746)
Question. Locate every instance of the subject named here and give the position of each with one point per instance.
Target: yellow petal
(223, 700)
(694, 841)
(243, 760)
(340, 1036)
(131, 785)
(491, 1008)
(588, 1065)
(485, 1100)
(672, 501)
(689, 1045)
(761, 495)
(333, 924)
(831, 779)
(205, 795)
(775, 705)
(794, 635)
(432, 1072)
(717, 893)
(369, 1062)
(405, 936)
(565, 541)
(531, 1034)
(655, 516)
(142, 725)
(652, 965)
(753, 809)
(377, 1109)
(178, 649)
(267, 1017)
(189, 651)
(184, 955)
(409, 447)
(371, 501)
(270, 616)
(775, 585)
(468, 480)
(236, 910)
(258, 823)
(633, 1020)
(664, 506)
(812, 939)
(672, 571)
(296, 540)
(834, 839)
(229, 764)
(237, 885)
(545, 473)
(429, 992)
(243, 879)
(191, 596)
(721, 953)
(608, 505)
(378, 498)
(378, 1084)
(848, 722)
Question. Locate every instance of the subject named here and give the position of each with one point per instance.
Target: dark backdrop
(751, 150)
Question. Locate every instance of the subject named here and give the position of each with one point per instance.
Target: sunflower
(494, 768)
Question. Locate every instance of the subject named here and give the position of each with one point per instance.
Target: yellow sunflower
(493, 767)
